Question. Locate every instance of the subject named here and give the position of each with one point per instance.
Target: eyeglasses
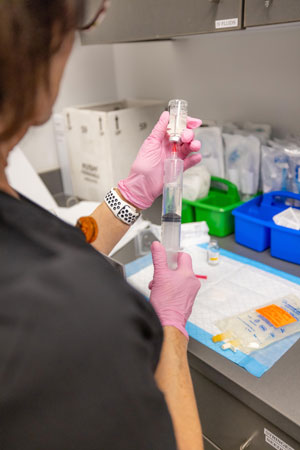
(94, 13)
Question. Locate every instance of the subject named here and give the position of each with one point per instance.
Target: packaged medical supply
(276, 142)
(211, 149)
(229, 127)
(260, 135)
(196, 182)
(258, 127)
(258, 328)
(289, 218)
(242, 162)
(286, 156)
(274, 168)
(262, 131)
(293, 138)
(192, 233)
(293, 152)
(213, 253)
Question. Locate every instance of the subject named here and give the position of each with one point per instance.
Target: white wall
(89, 78)
(243, 75)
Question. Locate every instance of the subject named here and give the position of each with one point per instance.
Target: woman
(85, 363)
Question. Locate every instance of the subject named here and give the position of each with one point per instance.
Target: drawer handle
(249, 441)
(268, 3)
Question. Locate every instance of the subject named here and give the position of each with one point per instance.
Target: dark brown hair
(31, 31)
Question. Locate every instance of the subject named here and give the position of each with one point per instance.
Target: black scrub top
(78, 345)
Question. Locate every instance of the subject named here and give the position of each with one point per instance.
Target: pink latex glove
(145, 181)
(173, 292)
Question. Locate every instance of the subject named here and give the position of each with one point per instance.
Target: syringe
(173, 176)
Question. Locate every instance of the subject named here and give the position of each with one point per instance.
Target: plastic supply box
(216, 209)
(103, 141)
(255, 228)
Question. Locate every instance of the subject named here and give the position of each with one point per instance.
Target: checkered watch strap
(122, 210)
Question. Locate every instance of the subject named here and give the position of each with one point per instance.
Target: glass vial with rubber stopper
(213, 253)
(178, 119)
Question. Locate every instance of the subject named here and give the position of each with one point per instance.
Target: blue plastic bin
(254, 226)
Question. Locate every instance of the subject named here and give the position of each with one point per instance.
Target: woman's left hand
(145, 181)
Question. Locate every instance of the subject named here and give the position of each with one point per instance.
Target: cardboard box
(103, 141)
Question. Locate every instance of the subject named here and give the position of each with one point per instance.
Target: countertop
(276, 395)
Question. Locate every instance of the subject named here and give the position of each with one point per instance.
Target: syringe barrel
(178, 110)
(171, 211)
(172, 193)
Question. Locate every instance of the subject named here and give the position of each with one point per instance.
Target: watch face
(116, 265)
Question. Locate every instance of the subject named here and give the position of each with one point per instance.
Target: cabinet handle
(249, 441)
(214, 1)
(268, 3)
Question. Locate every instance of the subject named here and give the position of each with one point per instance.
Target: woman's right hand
(173, 292)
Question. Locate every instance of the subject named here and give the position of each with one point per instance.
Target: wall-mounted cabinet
(141, 20)
(144, 20)
(267, 12)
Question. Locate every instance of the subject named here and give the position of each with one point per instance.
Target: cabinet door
(230, 424)
(266, 12)
(140, 20)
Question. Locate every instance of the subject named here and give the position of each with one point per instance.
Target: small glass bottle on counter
(213, 253)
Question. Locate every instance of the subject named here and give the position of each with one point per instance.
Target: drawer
(228, 423)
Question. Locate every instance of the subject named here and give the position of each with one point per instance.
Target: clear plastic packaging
(293, 153)
(211, 150)
(258, 328)
(281, 166)
(260, 130)
(242, 161)
(274, 169)
(196, 182)
(289, 218)
(229, 127)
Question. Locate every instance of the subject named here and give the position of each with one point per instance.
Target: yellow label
(276, 315)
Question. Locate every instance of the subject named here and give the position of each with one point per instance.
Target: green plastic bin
(215, 209)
